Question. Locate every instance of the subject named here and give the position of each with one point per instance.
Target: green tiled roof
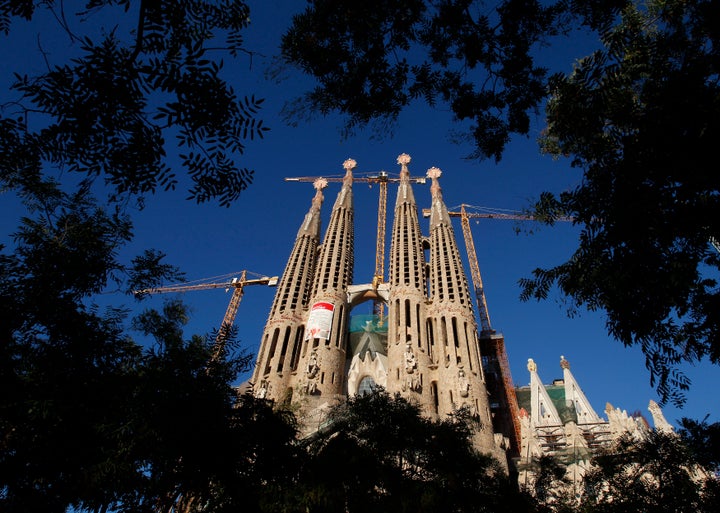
(557, 396)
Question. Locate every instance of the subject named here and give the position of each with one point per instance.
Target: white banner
(320, 321)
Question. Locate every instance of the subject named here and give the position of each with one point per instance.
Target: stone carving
(410, 360)
(263, 390)
(310, 387)
(313, 366)
(411, 383)
(463, 383)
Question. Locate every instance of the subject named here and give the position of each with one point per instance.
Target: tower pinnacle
(349, 165)
(434, 173)
(404, 159)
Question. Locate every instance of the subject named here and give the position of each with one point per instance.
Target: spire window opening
(470, 352)
(340, 323)
(295, 355)
(283, 351)
(417, 326)
(434, 395)
(271, 352)
(455, 332)
(430, 338)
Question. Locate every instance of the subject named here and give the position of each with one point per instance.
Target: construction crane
(238, 284)
(382, 178)
(486, 213)
(492, 344)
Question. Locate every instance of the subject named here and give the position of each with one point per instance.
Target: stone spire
(280, 347)
(322, 360)
(542, 409)
(575, 396)
(448, 280)
(661, 425)
(451, 324)
(408, 348)
(407, 260)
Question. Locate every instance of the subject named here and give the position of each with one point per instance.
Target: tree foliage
(385, 456)
(108, 111)
(93, 419)
(640, 118)
(658, 473)
(372, 59)
(703, 439)
(100, 412)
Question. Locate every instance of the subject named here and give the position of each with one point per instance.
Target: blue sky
(257, 232)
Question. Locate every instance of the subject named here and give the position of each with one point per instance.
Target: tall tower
(409, 354)
(286, 322)
(426, 348)
(452, 328)
(322, 362)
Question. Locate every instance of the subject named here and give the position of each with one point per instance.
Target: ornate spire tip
(320, 184)
(349, 164)
(434, 173)
(531, 366)
(564, 363)
(403, 159)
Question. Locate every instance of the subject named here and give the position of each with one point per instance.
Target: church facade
(314, 352)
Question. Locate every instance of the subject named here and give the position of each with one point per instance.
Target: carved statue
(463, 383)
(310, 387)
(313, 367)
(410, 361)
(264, 389)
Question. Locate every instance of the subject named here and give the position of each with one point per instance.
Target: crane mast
(485, 327)
(465, 216)
(237, 284)
(379, 276)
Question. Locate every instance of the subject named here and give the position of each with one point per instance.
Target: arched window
(367, 386)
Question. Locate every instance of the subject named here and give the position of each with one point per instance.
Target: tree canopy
(100, 412)
(109, 110)
(372, 59)
(384, 455)
(659, 473)
(639, 117)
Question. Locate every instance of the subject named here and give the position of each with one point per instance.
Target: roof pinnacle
(531, 366)
(434, 173)
(348, 165)
(564, 364)
(319, 185)
(404, 159)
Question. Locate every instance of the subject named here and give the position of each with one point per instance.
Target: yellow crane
(382, 178)
(238, 284)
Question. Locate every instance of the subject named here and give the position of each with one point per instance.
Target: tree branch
(140, 31)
